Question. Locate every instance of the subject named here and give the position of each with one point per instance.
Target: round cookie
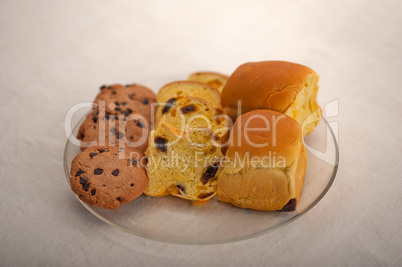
(119, 99)
(108, 177)
(114, 130)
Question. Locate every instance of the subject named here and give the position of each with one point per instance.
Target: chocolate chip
(117, 109)
(101, 150)
(134, 161)
(93, 154)
(95, 119)
(290, 206)
(124, 103)
(79, 172)
(93, 191)
(102, 87)
(145, 101)
(85, 187)
(139, 124)
(209, 173)
(108, 116)
(119, 135)
(161, 144)
(129, 110)
(127, 85)
(118, 199)
(131, 137)
(188, 109)
(115, 172)
(98, 171)
(114, 92)
(125, 113)
(83, 180)
(168, 105)
(131, 96)
(131, 185)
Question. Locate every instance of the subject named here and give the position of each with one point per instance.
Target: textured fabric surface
(54, 54)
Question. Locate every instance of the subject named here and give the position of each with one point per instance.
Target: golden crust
(266, 177)
(282, 86)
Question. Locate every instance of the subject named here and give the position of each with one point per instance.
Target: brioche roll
(265, 162)
(281, 86)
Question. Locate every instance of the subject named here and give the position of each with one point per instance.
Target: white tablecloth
(54, 54)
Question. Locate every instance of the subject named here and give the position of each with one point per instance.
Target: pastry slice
(213, 79)
(170, 92)
(183, 164)
(187, 112)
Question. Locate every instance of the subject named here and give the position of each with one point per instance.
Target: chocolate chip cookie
(106, 130)
(133, 98)
(108, 177)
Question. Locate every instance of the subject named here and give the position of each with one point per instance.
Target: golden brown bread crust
(265, 85)
(273, 85)
(283, 135)
(277, 179)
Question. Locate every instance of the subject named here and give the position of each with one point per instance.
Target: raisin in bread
(187, 112)
(183, 164)
(171, 91)
(213, 79)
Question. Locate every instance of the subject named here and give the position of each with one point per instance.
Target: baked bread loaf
(168, 94)
(183, 164)
(275, 85)
(213, 79)
(108, 177)
(265, 162)
(187, 112)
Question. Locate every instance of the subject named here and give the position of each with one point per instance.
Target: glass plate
(175, 220)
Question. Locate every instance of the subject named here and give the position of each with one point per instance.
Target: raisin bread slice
(213, 79)
(187, 112)
(183, 164)
(171, 91)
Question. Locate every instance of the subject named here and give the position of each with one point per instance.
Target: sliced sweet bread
(183, 164)
(213, 79)
(171, 91)
(187, 112)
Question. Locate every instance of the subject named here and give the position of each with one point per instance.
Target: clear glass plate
(175, 220)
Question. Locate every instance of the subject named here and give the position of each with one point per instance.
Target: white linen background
(54, 54)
